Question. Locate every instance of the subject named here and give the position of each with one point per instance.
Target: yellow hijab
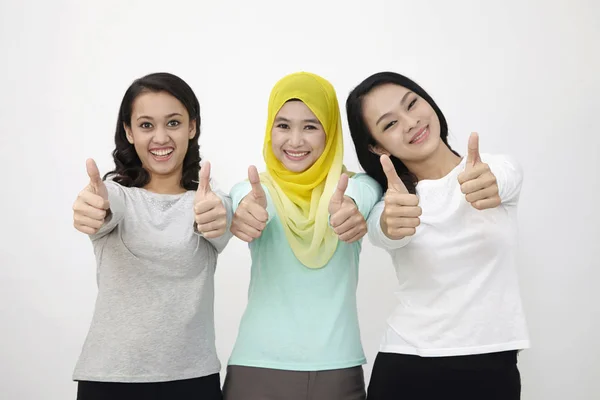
(302, 199)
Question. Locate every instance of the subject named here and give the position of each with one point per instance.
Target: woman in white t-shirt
(449, 224)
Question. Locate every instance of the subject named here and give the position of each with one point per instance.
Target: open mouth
(162, 154)
(296, 155)
(420, 136)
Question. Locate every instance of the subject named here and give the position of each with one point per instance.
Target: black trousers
(493, 376)
(204, 388)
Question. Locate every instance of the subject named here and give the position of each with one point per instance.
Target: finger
(257, 189)
(248, 230)
(212, 226)
(481, 182)
(337, 199)
(358, 236)
(204, 178)
(395, 211)
(257, 212)
(401, 199)
(349, 225)
(482, 194)
(214, 234)
(487, 203)
(93, 200)
(93, 172)
(244, 217)
(207, 204)
(89, 211)
(394, 181)
(352, 233)
(342, 215)
(85, 229)
(241, 235)
(399, 233)
(83, 220)
(473, 156)
(473, 172)
(402, 222)
(214, 214)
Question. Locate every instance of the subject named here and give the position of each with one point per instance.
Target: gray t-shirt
(154, 315)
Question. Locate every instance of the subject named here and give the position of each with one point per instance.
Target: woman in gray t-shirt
(157, 227)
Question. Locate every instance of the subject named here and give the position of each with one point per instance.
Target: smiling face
(160, 130)
(297, 137)
(401, 122)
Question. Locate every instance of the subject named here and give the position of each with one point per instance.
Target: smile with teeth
(161, 152)
(296, 154)
(420, 135)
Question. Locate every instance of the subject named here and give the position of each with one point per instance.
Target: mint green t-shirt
(298, 318)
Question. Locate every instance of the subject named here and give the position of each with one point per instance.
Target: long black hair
(362, 137)
(128, 166)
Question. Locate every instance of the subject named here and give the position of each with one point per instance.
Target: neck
(165, 184)
(438, 165)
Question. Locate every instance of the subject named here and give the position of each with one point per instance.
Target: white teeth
(419, 136)
(291, 153)
(162, 152)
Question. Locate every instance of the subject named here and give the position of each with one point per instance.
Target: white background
(524, 74)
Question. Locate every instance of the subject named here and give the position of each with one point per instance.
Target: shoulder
(502, 161)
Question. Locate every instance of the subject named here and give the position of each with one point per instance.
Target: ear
(128, 133)
(378, 150)
(192, 132)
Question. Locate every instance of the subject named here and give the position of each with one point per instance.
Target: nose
(297, 138)
(411, 122)
(161, 136)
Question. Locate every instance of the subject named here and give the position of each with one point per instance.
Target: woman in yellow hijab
(304, 219)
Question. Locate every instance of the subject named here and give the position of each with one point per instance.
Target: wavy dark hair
(128, 166)
(363, 138)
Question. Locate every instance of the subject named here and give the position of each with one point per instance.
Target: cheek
(317, 142)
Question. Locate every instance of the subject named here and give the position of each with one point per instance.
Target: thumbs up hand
(209, 212)
(477, 181)
(401, 212)
(91, 206)
(344, 217)
(251, 215)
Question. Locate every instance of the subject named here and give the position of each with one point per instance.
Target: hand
(209, 212)
(477, 181)
(401, 212)
(345, 219)
(91, 206)
(251, 216)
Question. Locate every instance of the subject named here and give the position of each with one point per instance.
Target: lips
(162, 154)
(296, 155)
(420, 136)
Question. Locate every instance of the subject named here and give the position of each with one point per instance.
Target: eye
(283, 126)
(389, 125)
(310, 127)
(145, 125)
(173, 123)
(412, 104)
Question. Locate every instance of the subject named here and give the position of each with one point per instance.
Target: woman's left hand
(477, 181)
(345, 219)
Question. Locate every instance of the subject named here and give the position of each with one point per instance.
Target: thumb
(473, 156)
(93, 173)
(257, 189)
(338, 196)
(204, 178)
(394, 181)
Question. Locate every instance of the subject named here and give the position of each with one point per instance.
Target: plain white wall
(524, 74)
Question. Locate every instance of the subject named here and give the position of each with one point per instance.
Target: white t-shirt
(458, 286)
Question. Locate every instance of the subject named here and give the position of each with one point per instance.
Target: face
(160, 130)
(297, 136)
(401, 122)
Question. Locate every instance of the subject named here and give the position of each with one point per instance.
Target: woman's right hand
(251, 215)
(400, 216)
(91, 206)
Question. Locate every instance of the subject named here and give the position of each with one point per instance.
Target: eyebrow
(166, 116)
(310, 120)
(387, 114)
